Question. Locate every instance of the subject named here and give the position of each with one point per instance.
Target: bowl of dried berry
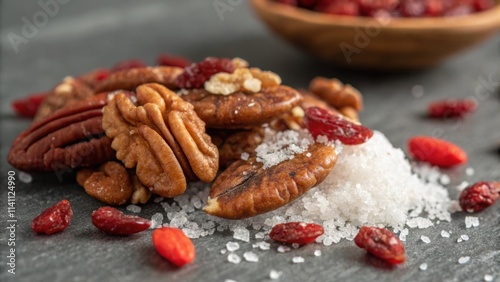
(381, 34)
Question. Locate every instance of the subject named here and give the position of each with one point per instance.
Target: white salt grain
(463, 260)
(245, 156)
(462, 186)
(464, 237)
(471, 221)
(230, 280)
(25, 177)
(295, 245)
(298, 260)
(403, 234)
(445, 234)
(233, 258)
(158, 199)
(317, 253)
(259, 235)
(283, 249)
(241, 233)
(444, 179)
(232, 246)
(274, 274)
(223, 251)
(423, 266)
(251, 257)
(156, 220)
(425, 239)
(134, 208)
(262, 245)
(469, 171)
(488, 277)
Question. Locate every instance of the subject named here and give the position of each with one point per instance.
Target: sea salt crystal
(251, 257)
(423, 266)
(158, 199)
(283, 249)
(260, 235)
(232, 246)
(469, 171)
(241, 233)
(488, 277)
(233, 258)
(262, 245)
(445, 234)
(295, 245)
(471, 221)
(298, 260)
(403, 234)
(317, 253)
(274, 274)
(425, 239)
(25, 177)
(327, 241)
(156, 220)
(223, 251)
(462, 186)
(463, 260)
(230, 280)
(464, 237)
(444, 179)
(245, 156)
(134, 208)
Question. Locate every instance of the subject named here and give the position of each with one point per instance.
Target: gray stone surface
(87, 34)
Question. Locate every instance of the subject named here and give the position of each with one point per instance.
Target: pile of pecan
(136, 130)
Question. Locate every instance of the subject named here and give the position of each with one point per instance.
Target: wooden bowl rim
(489, 18)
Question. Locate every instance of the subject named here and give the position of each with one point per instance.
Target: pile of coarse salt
(371, 184)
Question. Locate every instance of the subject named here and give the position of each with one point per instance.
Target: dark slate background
(84, 35)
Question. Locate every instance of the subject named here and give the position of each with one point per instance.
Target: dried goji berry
(128, 64)
(28, 106)
(288, 2)
(195, 75)
(381, 243)
(172, 61)
(113, 221)
(174, 245)
(479, 196)
(53, 219)
(451, 108)
(296, 232)
(340, 7)
(321, 122)
(436, 151)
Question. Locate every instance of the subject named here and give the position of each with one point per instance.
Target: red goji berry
(195, 75)
(28, 106)
(174, 245)
(479, 196)
(451, 108)
(296, 232)
(113, 221)
(53, 219)
(321, 122)
(436, 151)
(172, 61)
(128, 64)
(381, 243)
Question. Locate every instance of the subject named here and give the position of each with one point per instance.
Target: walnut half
(162, 137)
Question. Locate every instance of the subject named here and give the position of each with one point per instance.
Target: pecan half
(233, 143)
(109, 183)
(241, 110)
(245, 189)
(162, 137)
(70, 89)
(129, 79)
(336, 93)
(69, 138)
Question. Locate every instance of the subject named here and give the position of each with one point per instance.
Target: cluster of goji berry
(393, 8)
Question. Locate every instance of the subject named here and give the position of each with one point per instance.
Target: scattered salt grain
(232, 246)
(317, 253)
(464, 237)
(158, 199)
(245, 156)
(298, 260)
(233, 258)
(423, 266)
(283, 249)
(262, 245)
(471, 221)
(425, 239)
(230, 280)
(223, 251)
(445, 234)
(295, 245)
(134, 208)
(156, 220)
(274, 274)
(25, 177)
(251, 257)
(488, 277)
(462, 185)
(463, 260)
(403, 234)
(241, 233)
(259, 235)
(444, 179)
(469, 171)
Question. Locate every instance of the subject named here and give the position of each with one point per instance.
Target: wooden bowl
(369, 43)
